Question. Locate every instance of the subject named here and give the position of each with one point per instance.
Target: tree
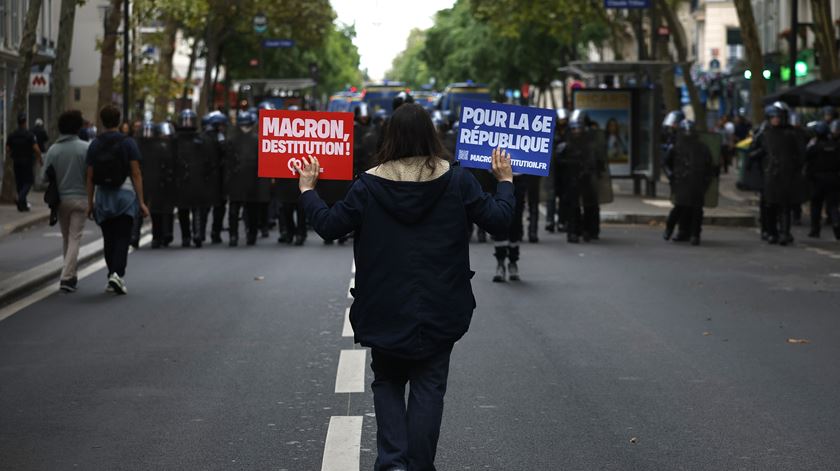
(681, 45)
(826, 39)
(409, 66)
(20, 100)
(755, 61)
(164, 67)
(61, 67)
(105, 94)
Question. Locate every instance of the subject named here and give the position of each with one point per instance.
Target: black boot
(695, 240)
(215, 238)
(481, 236)
(501, 255)
(837, 232)
(233, 241)
(669, 231)
(786, 237)
(513, 267)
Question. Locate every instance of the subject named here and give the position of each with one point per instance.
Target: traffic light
(801, 68)
(747, 74)
(767, 74)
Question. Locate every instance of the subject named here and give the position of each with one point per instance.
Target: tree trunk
(167, 51)
(669, 87)
(826, 39)
(188, 79)
(61, 67)
(20, 100)
(681, 45)
(212, 40)
(109, 52)
(755, 61)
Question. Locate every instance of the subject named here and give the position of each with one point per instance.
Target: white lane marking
(58, 234)
(342, 449)
(823, 252)
(350, 377)
(658, 203)
(352, 285)
(353, 270)
(43, 293)
(347, 331)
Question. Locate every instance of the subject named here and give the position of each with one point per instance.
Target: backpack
(110, 165)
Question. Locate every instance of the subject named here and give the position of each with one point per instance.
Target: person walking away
(412, 297)
(22, 146)
(690, 169)
(67, 158)
(41, 135)
(822, 164)
(115, 193)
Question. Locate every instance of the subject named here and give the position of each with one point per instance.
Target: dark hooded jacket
(412, 294)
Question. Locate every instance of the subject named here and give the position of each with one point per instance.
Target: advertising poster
(286, 137)
(611, 112)
(526, 133)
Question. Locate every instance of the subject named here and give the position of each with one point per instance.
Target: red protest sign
(287, 137)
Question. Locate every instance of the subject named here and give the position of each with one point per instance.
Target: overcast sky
(382, 27)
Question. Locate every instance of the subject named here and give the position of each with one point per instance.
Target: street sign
(278, 43)
(39, 83)
(260, 23)
(627, 3)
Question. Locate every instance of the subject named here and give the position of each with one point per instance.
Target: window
(3, 28)
(734, 45)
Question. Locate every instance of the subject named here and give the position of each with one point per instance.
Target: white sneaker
(117, 284)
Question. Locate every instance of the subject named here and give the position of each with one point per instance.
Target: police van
(380, 96)
(449, 104)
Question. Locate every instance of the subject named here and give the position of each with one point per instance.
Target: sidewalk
(12, 220)
(735, 208)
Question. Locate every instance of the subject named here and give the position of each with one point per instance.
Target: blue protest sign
(627, 3)
(526, 133)
(278, 43)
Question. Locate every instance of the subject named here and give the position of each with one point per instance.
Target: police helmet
(819, 128)
(216, 119)
(829, 112)
(362, 111)
(673, 118)
(777, 109)
(187, 119)
(401, 99)
(266, 105)
(742, 112)
(379, 116)
(835, 127)
(245, 118)
(148, 130)
(578, 119)
(562, 114)
(687, 127)
(164, 129)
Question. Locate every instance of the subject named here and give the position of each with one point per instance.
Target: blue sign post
(278, 43)
(627, 3)
(526, 133)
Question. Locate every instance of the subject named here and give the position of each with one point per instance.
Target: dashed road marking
(347, 331)
(342, 449)
(44, 293)
(350, 377)
(352, 285)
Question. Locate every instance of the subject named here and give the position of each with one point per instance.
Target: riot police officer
(214, 136)
(779, 149)
(196, 157)
(822, 164)
(690, 168)
(155, 145)
(554, 216)
(247, 191)
(581, 167)
(400, 99)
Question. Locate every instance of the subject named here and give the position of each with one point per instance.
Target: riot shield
(598, 146)
(193, 170)
(156, 167)
(713, 141)
(243, 183)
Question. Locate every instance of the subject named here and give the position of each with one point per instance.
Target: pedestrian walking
(67, 159)
(822, 164)
(412, 296)
(41, 135)
(115, 193)
(22, 146)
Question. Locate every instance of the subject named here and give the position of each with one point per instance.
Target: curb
(653, 219)
(14, 287)
(24, 223)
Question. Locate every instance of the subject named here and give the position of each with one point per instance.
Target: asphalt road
(630, 353)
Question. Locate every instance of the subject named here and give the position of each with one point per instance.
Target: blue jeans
(407, 435)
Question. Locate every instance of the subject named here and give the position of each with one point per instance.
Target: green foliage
(409, 65)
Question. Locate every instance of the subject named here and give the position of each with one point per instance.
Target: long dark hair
(410, 133)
